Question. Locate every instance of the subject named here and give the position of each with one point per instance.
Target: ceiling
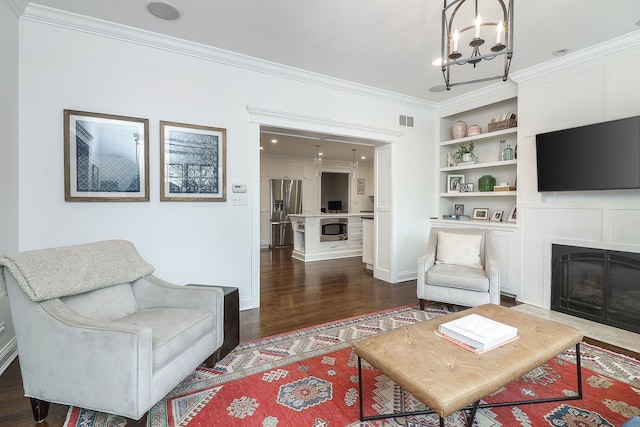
(380, 43)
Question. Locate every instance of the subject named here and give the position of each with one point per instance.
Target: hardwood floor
(294, 294)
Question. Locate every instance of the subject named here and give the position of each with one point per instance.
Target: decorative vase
(459, 129)
(474, 129)
(486, 183)
(508, 152)
(466, 158)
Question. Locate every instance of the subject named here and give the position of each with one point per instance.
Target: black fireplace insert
(597, 284)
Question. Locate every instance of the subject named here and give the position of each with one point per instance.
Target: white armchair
(459, 268)
(96, 329)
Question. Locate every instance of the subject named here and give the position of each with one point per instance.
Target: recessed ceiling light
(274, 141)
(321, 154)
(560, 52)
(163, 10)
(261, 147)
(363, 157)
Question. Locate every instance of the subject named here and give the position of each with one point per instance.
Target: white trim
(8, 354)
(616, 44)
(75, 22)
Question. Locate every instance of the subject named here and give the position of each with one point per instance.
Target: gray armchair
(96, 329)
(459, 268)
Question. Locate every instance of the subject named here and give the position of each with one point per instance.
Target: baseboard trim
(8, 355)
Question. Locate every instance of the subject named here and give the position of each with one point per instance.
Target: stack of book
(478, 333)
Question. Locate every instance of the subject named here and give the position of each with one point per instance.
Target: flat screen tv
(602, 156)
(334, 205)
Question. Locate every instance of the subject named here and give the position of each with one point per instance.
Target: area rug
(309, 378)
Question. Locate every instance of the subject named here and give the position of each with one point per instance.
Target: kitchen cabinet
(286, 170)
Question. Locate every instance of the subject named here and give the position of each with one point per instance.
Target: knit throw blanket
(68, 270)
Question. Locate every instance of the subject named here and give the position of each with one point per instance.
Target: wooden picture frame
(192, 163)
(106, 157)
(480, 214)
(458, 209)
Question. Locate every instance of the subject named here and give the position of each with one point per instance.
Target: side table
(231, 318)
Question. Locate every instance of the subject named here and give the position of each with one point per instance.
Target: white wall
(8, 162)
(64, 68)
(596, 90)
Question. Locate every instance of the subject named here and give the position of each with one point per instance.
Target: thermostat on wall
(239, 188)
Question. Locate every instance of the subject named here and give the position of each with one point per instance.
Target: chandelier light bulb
(478, 23)
(456, 37)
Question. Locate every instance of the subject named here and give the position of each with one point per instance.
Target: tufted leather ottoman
(448, 378)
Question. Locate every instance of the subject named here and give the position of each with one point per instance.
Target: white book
(478, 331)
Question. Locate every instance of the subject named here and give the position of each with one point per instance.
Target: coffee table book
(478, 332)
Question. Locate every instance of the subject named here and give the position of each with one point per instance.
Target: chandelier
(455, 35)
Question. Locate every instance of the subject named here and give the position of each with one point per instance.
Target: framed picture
(466, 188)
(480, 214)
(458, 209)
(192, 163)
(360, 189)
(361, 182)
(106, 158)
(512, 214)
(497, 216)
(453, 183)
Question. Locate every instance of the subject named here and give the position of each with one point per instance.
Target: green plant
(464, 149)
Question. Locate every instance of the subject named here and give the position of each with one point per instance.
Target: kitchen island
(323, 236)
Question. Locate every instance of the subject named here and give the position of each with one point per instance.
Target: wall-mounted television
(334, 205)
(602, 156)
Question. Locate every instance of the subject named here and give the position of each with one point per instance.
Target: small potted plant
(465, 154)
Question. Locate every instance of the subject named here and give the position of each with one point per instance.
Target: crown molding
(75, 22)
(496, 92)
(298, 121)
(587, 54)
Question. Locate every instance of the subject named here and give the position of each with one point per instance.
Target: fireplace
(597, 284)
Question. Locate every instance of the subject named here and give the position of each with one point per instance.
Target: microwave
(332, 229)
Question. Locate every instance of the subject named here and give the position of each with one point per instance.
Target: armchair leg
(40, 409)
(423, 302)
(142, 422)
(210, 362)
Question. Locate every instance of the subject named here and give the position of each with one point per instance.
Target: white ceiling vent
(406, 121)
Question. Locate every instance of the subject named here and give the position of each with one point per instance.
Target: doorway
(383, 143)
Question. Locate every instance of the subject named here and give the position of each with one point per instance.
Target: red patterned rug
(310, 378)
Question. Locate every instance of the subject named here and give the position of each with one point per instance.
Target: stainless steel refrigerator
(286, 198)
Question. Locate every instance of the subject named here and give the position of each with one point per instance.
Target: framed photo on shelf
(192, 163)
(454, 182)
(481, 214)
(458, 209)
(497, 216)
(106, 157)
(466, 188)
(513, 214)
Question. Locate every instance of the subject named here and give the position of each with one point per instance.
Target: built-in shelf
(472, 222)
(479, 165)
(480, 194)
(488, 135)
